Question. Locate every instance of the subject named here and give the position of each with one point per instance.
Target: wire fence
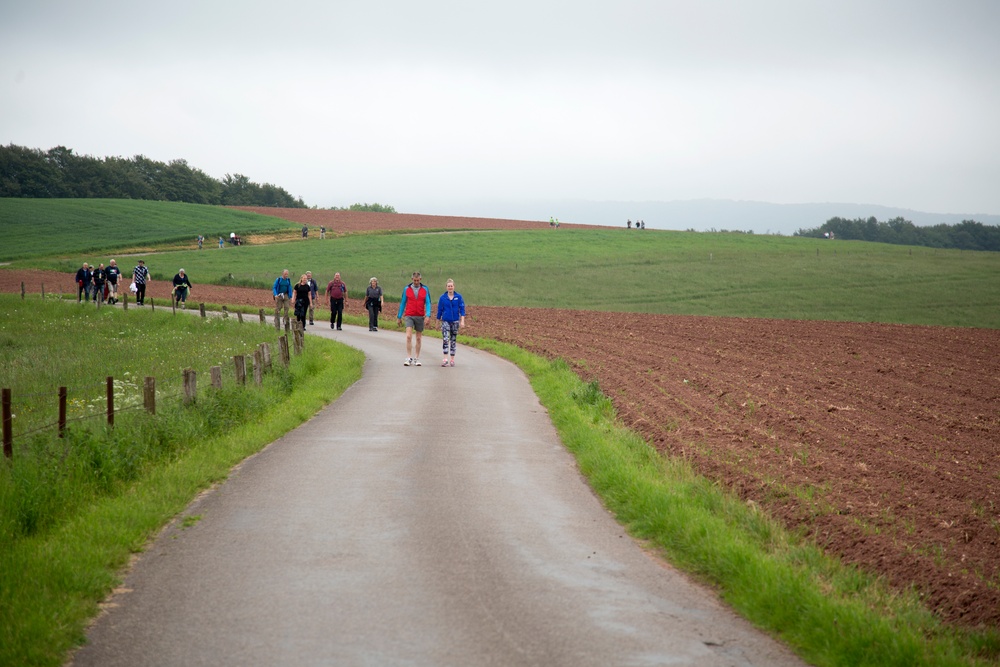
(261, 364)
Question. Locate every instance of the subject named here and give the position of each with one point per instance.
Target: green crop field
(688, 273)
(45, 227)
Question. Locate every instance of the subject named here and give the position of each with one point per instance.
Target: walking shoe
(416, 362)
(444, 363)
(311, 322)
(452, 363)
(408, 361)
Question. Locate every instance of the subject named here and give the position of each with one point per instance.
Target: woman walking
(303, 292)
(451, 313)
(373, 302)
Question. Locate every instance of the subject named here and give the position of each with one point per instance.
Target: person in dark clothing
(303, 297)
(83, 278)
(99, 277)
(114, 273)
(182, 287)
(373, 303)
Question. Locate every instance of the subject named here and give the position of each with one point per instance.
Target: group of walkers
(414, 312)
(102, 284)
(99, 283)
(414, 309)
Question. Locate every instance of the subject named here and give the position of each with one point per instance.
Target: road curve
(430, 516)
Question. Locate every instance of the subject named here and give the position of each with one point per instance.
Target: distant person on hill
(303, 301)
(182, 287)
(414, 311)
(314, 287)
(336, 292)
(282, 293)
(140, 276)
(83, 278)
(222, 243)
(628, 223)
(99, 278)
(373, 303)
(114, 273)
(451, 314)
(201, 240)
(322, 232)
(305, 231)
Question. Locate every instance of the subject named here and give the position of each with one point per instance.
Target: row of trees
(966, 235)
(374, 208)
(58, 172)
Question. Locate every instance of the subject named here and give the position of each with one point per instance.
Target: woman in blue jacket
(451, 313)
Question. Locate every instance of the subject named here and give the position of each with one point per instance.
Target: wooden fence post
(297, 338)
(8, 424)
(62, 412)
(258, 367)
(43, 290)
(283, 346)
(263, 319)
(201, 309)
(190, 386)
(125, 301)
(239, 316)
(241, 368)
(149, 395)
(22, 289)
(265, 349)
(111, 401)
(225, 312)
(277, 321)
(152, 306)
(216, 372)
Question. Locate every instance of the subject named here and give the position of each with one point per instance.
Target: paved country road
(430, 516)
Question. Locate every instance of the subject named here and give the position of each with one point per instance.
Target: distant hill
(697, 214)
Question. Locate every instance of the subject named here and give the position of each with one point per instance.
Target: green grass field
(46, 227)
(663, 272)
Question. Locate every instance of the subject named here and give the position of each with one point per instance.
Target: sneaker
(416, 362)
(452, 363)
(408, 361)
(311, 322)
(444, 363)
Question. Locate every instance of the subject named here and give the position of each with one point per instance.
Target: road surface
(430, 516)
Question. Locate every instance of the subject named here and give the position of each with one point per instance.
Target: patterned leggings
(449, 336)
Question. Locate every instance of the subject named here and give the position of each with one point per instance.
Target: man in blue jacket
(282, 293)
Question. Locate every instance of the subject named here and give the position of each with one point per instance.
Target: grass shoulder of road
(52, 580)
(828, 613)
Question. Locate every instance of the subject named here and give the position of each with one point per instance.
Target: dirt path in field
(880, 441)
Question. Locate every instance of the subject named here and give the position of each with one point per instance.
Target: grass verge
(828, 613)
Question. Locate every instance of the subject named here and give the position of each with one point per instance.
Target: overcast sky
(425, 104)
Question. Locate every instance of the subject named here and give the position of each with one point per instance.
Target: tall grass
(72, 510)
(46, 227)
(685, 273)
(830, 614)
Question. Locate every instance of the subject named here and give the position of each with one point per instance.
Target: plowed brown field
(881, 441)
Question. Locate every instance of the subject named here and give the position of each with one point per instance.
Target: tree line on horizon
(966, 235)
(60, 173)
